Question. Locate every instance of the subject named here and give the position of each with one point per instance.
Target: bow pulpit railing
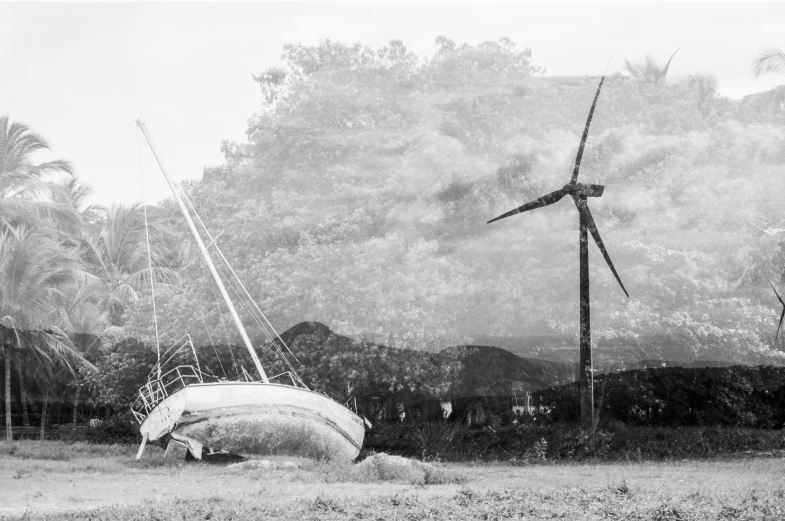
(158, 389)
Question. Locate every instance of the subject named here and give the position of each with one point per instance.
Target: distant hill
(492, 371)
(657, 363)
(465, 370)
(557, 348)
(631, 353)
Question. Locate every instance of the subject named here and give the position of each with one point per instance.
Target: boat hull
(260, 419)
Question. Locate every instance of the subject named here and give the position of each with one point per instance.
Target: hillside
(331, 361)
(619, 352)
(492, 371)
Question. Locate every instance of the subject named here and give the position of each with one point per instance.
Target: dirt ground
(33, 485)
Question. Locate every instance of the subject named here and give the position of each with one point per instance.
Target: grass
(55, 480)
(61, 450)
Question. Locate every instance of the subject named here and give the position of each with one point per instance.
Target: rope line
(215, 298)
(149, 261)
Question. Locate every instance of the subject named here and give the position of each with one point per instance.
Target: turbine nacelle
(583, 189)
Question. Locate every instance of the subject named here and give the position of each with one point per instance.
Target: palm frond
(76, 193)
(51, 167)
(649, 70)
(17, 144)
(160, 276)
(118, 255)
(32, 268)
(86, 280)
(21, 209)
(57, 342)
(770, 60)
(668, 64)
(633, 69)
(705, 86)
(124, 295)
(45, 362)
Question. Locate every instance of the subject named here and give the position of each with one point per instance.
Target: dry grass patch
(61, 450)
(386, 487)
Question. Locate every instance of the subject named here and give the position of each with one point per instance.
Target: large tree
(117, 267)
(361, 195)
(649, 70)
(33, 269)
(89, 331)
(28, 191)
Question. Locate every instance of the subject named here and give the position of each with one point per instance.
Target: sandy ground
(54, 486)
(37, 486)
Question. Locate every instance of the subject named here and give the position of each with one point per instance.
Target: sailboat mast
(203, 249)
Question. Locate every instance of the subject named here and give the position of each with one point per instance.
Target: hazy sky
(80, 73)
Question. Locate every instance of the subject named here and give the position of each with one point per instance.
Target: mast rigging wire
(245, 296)
(215, 297)
(149, 260)
(242, 293)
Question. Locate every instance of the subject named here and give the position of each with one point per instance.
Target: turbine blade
(585, 135)
(545, 200)
(775, 292)
(583, 208)
(780, 325)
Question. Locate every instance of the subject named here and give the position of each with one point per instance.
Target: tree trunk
(22, 392)
(25, 416)
(9, 435)
(43, 415)
(76, 402)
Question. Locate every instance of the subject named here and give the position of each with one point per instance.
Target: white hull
(257, 418)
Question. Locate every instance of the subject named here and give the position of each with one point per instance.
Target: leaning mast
(203, 249)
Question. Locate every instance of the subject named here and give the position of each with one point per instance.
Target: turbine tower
(579, 193)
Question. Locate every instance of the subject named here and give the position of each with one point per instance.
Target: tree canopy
(361, 195)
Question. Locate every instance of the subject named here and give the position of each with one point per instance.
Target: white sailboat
(240, 417)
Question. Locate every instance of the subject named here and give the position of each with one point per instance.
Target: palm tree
(77, 194)
(705, 86)
(773, 100)
(649, 71)
(88, 328)
(33, 269)
(116, 259)
(28, 194)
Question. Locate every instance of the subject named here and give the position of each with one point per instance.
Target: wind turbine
(579, 193)
(783, 311)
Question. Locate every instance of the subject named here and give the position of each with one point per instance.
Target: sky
(80, 74)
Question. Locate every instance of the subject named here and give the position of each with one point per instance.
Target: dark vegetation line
(480, 402)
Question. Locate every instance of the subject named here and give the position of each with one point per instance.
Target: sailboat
(184, 405)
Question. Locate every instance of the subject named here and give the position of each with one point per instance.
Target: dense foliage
(361, 195)
(564, 442)
(743, 396)
(475, 385)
